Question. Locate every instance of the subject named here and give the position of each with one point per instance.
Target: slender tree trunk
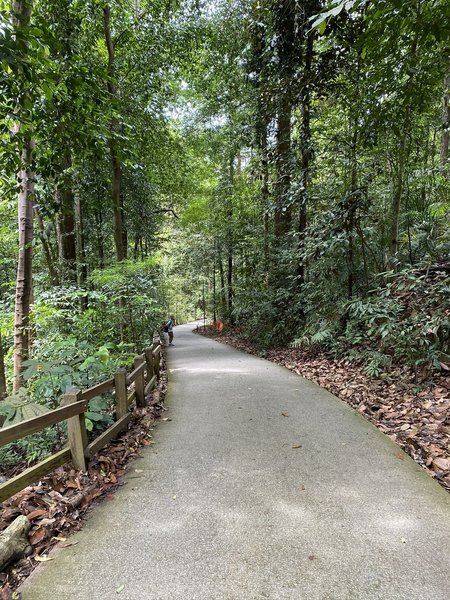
(117, 211)
(81, 249)
(283, 211)
(81, 262)
(59, 242)
(399, 185)
(214, 289)
(426, 159)
(124, 226)
(2, 374)
(222, 287)
(24, 267)
(403, 146)
(285, 14)
(49, 259)
(445, 167)
(120, 239)
(100, 240)
(265, 189)
(66, 222)
(306, 148)
(22, 15)
(364, 254)
(258, 46)
(351, 210)
(230, 248)
(113, 146)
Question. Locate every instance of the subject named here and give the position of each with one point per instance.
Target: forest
(278, 167)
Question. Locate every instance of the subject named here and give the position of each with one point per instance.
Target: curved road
(224, 507)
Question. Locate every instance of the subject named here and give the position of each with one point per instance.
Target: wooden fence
(144, 376)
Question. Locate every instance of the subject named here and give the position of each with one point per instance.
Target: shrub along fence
(144, 376)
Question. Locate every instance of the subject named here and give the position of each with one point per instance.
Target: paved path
(226, 509)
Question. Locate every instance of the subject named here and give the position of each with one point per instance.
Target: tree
(22, 10)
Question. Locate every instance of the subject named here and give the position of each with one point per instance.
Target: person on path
(169, 325)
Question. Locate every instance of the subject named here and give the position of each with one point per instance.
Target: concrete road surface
(262, 485)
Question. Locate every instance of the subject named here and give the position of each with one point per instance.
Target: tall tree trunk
(214, 288)
(285, 14)
(403, 145)
(399, 180)
(66, 222)
(445, 167)
(24, 266)
(283, 211)
(124, 226)
(49, 259)
(351, 211)
(2, 374)
(22, 16)
(223, 300)
(120, 239)
(306, 149)
(81, 249)
(265, 192)
(230, 249)
(100, 241)
(113, 146)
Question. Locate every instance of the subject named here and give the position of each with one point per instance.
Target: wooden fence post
(149, 361)
(157, 360)
(120, 385)
(139, 383)
(76, 430)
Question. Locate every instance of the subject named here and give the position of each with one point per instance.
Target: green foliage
(135, 288)
(30, 449)
(97, 417)
(19, 407)
(404, 321)
(219, 122)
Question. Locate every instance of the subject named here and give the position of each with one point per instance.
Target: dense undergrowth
(79, 338)
(405, 321)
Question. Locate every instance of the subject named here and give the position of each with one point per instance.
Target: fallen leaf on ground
(68, 544)
(37, 536)
(285, 414)
(36, 513)
(43, 558)
(442, 464)
(296, 445)
(47, 522)
(120, 589)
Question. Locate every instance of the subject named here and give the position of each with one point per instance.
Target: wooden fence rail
(144, 376)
